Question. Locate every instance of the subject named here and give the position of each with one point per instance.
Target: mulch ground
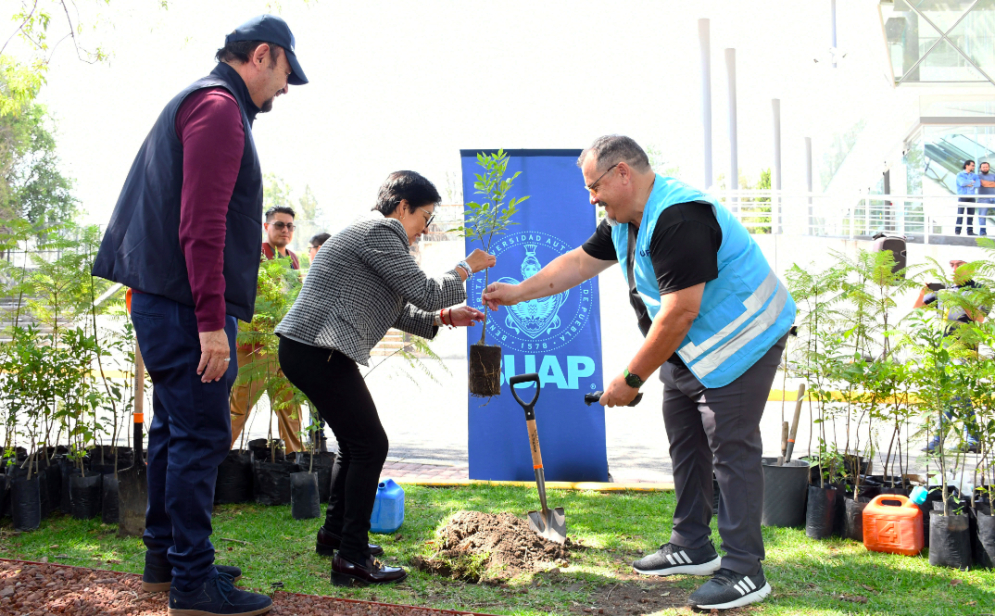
(31, 589)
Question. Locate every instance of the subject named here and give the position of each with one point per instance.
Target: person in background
(364, 281)
(279, 229)
(184, 236)
(315, 244)
(955, 316)
(967, 184)
(987, 187)
(716, 319)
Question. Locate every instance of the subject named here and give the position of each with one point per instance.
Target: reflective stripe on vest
(758, 326)
(754, 303)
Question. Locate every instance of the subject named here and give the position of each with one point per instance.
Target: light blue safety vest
(744, 311)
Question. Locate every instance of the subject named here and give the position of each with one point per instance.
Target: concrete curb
(592, 486)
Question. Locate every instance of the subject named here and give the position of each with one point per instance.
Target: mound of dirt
(475, 546)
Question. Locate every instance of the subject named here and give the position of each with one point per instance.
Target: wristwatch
(631, 379)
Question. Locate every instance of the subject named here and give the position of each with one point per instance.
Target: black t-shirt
(684, 252)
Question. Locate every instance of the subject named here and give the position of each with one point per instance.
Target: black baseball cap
(271, 29)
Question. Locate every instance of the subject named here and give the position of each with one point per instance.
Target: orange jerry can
(893, 524)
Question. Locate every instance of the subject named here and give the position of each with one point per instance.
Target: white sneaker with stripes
(728, 589)
(673, 559)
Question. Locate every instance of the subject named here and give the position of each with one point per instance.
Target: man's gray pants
(719, 428)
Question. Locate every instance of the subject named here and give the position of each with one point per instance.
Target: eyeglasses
(594, 185)
(428, 221)
(280, 226)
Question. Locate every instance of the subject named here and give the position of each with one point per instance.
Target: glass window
(940, 40)
(975, 36)
(945, 150)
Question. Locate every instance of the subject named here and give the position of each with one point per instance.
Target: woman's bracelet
(440, 319)
(463, 265)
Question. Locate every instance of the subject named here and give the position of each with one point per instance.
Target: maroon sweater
(209, 124)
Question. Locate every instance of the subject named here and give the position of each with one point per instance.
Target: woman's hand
(465, 316)
(479, 260)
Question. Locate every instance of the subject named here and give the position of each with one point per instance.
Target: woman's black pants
(336, 388)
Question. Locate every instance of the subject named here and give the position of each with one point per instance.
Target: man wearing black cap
(185, 236)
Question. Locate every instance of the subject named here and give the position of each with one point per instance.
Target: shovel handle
(534, 444)
(139, 415)
(794, 423)
(531, 377)
(595, 396)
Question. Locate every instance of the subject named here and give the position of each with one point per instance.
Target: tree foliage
(492, 215)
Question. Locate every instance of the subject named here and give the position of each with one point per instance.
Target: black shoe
(327, 542)
(728, 589)
(218, 597)
(159, 578)
(347, 573)
(672, 559)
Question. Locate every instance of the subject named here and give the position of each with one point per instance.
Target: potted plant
(278, 287)
(29, 384)
(820, 344)
(940, 384)
(305, 498)
(483, 222)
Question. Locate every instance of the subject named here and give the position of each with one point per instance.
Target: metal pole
(888, 215)
(834, 33)
(706, 96)
(808, 179)
(776, 184)
(776, 106)
(733, 147)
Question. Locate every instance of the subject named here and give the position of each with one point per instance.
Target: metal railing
(920, 219)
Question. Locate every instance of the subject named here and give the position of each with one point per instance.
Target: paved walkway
(399, 470)
(426, 423)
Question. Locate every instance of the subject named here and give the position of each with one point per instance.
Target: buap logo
(539, 325)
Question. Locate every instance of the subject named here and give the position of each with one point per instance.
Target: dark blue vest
(141, 247)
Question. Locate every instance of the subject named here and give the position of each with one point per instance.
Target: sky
(407, 85)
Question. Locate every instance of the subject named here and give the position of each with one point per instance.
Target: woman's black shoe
(347, 573)
(327, 543)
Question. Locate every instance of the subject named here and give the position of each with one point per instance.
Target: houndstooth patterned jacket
(362, 282)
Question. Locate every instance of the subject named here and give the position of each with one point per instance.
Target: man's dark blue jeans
(189, 437)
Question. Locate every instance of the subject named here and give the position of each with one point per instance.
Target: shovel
(133, 488)
(595, 396)
(789, 443)
(549, 523)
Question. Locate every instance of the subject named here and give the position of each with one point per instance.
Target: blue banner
(558, 337)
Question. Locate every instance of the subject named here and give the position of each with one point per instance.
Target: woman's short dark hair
(241, 51)
(405, 185)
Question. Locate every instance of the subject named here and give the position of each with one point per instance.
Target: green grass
(808, 576)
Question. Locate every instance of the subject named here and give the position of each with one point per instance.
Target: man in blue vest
(184, 236)
(715, 317)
